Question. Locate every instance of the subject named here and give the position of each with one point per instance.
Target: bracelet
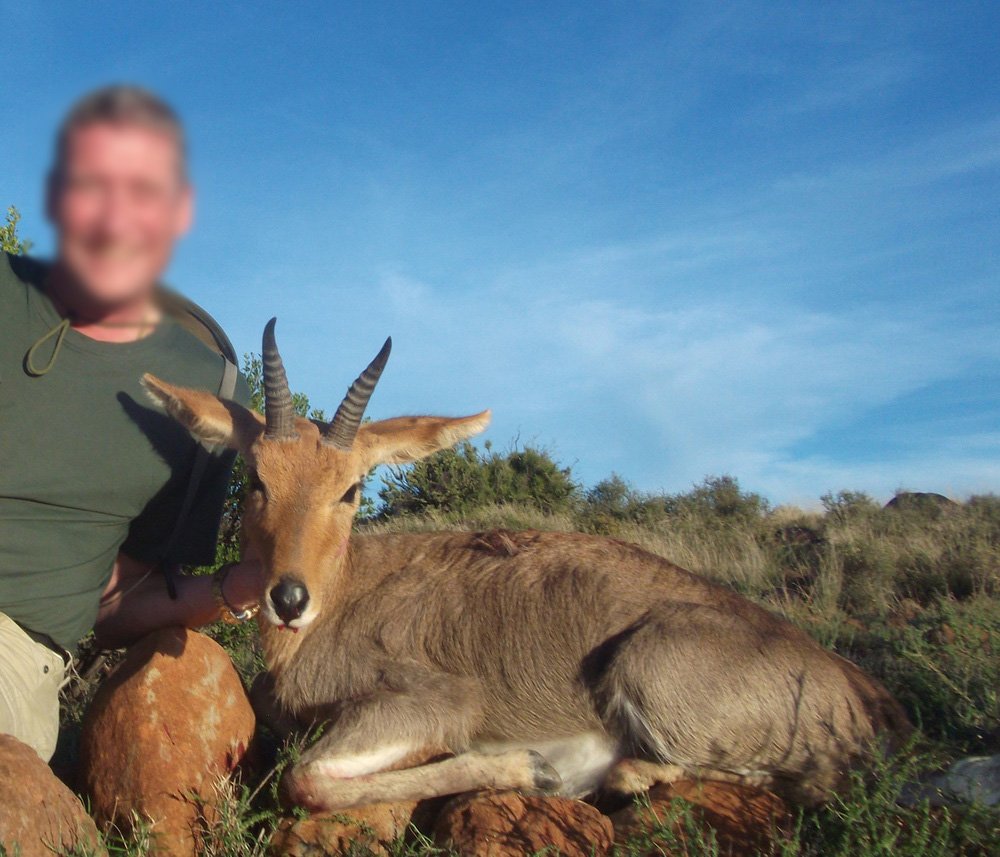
(230, 615)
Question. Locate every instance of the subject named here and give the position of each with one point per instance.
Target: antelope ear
(405, 439)
(210, 419)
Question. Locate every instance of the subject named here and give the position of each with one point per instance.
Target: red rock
(509, 824)
(169, 723)
(374, 827)
(38, 814)
(744, 819)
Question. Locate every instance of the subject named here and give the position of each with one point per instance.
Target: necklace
(143, 326)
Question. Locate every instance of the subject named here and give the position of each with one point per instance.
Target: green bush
(940, 662)
(613, 502)
(721, 498)
(946, 670)
(463, 479)
(10, 242)
(717, 500)
(847, 506)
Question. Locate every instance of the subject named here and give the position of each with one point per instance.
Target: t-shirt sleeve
(150, 533)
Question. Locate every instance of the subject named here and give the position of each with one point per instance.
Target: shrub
(10, 241)
(941, 665)
(613, 502)
(847, 506)
(719, 498)
(463, 479)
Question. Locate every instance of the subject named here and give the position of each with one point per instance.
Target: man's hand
(136, 602)
(244, 585)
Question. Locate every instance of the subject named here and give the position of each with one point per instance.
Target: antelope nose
(289, 598)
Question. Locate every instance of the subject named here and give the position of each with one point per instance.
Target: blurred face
(118, 207)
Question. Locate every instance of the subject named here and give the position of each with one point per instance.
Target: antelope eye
(254, 483)
(351, 494)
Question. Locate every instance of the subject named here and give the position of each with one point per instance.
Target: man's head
(118, 193)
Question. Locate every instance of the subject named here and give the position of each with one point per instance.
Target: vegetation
(9, 240)
(460, 480)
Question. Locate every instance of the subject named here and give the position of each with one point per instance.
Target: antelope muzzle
(289, 599)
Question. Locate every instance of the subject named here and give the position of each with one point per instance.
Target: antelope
(551, 662)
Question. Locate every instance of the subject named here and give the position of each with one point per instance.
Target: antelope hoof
(545, 778)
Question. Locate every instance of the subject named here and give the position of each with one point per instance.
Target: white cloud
(668, 396)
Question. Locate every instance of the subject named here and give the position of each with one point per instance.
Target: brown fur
(516, 640)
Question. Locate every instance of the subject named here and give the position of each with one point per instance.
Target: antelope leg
(321, 784)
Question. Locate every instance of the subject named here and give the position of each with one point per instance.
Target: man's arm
(136, 602)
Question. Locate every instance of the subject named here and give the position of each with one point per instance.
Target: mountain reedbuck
(545, 661)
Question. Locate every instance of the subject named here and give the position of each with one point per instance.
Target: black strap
(196, 321)
(202, 456)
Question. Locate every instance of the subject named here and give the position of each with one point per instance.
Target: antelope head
(305, 477)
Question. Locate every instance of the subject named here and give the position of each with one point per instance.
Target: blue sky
(662, 239)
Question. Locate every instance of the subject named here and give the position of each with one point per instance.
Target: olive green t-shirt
(89, 466)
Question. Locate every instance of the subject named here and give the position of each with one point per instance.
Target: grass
(911, 595)
(867, 820)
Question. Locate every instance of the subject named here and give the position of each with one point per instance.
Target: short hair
(120, 104)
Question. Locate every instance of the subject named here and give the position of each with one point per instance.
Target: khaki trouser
(30, 678)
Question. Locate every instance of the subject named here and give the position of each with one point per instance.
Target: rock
(374, 827)
(975, 779)
(926, 502)
(744, 819)
(509, 824)
(38, 814)
(168, 724)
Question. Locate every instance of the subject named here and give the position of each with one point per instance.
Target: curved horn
(344, 426)
(278, 411)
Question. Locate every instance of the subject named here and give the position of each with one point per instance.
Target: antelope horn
(278, 411)
(344, 426)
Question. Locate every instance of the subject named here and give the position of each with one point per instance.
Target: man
(94, 479)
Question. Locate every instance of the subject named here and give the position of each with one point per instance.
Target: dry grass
(729, 554)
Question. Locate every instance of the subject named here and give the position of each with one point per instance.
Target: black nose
(289, 598)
